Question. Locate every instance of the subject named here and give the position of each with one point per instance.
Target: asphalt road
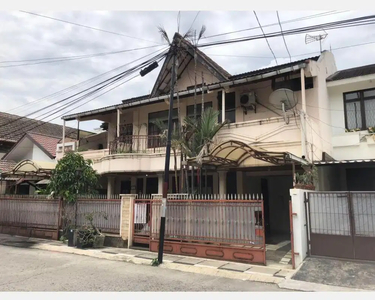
(25, 269)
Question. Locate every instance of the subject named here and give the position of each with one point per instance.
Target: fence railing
(137, 144)
(232, 222)
(29, 213)
(106, 213)
(185, 196)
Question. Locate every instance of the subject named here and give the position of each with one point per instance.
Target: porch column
(223, 106)
(63, 139)
(239, 182)
(160, 184)
(118, 122)
(110, 186)
(222, 182)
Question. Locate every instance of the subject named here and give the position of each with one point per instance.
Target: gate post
(298, 220)
(126, 220)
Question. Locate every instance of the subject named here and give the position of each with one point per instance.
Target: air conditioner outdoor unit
(248, 99)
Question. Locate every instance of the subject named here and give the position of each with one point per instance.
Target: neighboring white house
(131, 156)
(28, 163)
(352, 109)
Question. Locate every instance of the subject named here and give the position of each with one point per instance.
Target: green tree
(72, 176)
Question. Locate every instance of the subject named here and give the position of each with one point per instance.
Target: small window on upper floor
(359, 109)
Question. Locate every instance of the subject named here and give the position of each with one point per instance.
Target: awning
(337, 162)
(44, 181)
(238, 154)
(31, 167)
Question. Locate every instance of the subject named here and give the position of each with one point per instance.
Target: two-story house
(268, 133)
(351, 166)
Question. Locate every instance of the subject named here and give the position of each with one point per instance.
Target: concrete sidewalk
(277, 274)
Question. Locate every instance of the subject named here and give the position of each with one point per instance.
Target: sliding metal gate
(342, 224)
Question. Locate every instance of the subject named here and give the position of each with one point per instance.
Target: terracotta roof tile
(7, 165)
(13, 127)
(49, 143)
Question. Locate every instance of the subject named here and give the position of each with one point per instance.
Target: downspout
(303, 114)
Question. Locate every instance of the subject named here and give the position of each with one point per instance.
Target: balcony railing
(137, 144)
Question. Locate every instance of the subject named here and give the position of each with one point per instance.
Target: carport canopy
(238, 154)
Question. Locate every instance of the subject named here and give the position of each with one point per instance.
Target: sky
(24, 37)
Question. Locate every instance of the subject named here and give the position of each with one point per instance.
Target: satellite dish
(284, 100)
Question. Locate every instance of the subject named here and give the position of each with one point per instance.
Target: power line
(310, 53)
(269, 46)
(354, 22)
(281, 29)
(83, 83)
(101, 86)
(89, 27)
(62, 58)
(333, 12)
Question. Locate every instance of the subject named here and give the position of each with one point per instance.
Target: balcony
(137, 144)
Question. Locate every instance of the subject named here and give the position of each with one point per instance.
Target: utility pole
(167, 157)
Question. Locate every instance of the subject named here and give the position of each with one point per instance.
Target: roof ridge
(42, 134)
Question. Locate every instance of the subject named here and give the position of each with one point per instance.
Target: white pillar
(303, 113)
(239, 176)
(118, 122)
(110, 186)
(160, 183)
(63, 139)
(299, 226)
(222, 182)
(223, 106)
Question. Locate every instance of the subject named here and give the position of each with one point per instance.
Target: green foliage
(155, 262)
(73, 175)
(200, 133)
(88, 233)
(308, 177)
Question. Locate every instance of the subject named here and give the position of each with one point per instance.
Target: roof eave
(210, 87)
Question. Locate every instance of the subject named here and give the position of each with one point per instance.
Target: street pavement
(26, 269)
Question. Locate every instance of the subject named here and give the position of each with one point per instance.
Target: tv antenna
(316, 38)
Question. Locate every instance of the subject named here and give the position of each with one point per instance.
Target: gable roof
(46, 143)
(147, 99)
(352, 72)
(13, 127)
(162, 83)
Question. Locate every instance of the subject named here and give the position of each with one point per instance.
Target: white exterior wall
(265, 128)
(349, 145)
(299, 229)
(28, 150)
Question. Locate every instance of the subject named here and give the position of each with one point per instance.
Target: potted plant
(306, 180)
(89, 236)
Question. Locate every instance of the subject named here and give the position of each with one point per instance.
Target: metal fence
(106, 213)
(29, 212)
(342, 224)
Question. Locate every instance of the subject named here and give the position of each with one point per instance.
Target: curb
(284, 283)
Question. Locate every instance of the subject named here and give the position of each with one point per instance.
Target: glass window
(153, 130)
(190, 109)
(360, 109)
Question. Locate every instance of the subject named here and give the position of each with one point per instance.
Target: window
(230, 106)
(154, 130)
(359, 109)
(190, 109)
(292, 82)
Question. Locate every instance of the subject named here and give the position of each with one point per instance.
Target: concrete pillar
(110, 186)
(160, 183)
(223, 106)
(126, 220)
(222, 182)
(239, 182)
